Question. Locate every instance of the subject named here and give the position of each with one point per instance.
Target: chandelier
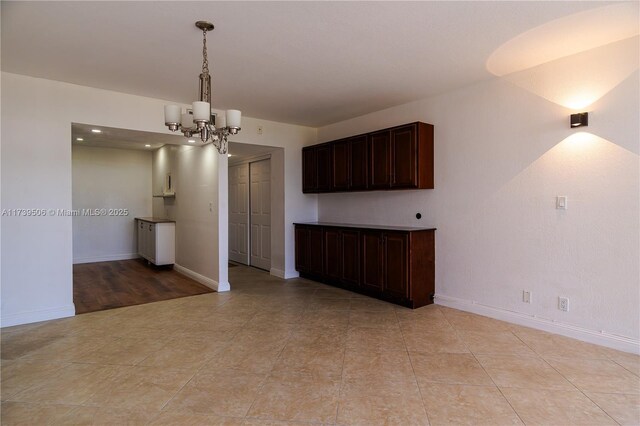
(199, 120)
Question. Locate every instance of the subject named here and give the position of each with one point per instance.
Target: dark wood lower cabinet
(333, 253)
(395, 264)
(309, 250)
(316, 251)
(372, 261)
(350, 258)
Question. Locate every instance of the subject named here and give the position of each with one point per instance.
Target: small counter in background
(157, 240)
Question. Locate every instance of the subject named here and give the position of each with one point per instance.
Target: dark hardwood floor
(107, 285)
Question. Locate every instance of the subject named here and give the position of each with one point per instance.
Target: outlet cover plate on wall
(563, 304)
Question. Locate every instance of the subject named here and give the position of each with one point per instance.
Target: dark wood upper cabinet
(404, 146)
(340, 168)
(380, 160)
(396, 158)
(323, 153)
(309, 170)
(316, 168)
(359, 146)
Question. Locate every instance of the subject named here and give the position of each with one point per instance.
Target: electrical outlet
(563, 304)
(259, 130)
(526, 296)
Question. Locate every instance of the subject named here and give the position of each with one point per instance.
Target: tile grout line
(198, 370)
(342, 378)
(578, 389)
(268, 374)
(415, 378)
(455, 330)
(543, 358)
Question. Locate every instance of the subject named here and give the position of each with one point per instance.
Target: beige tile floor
(272, 352)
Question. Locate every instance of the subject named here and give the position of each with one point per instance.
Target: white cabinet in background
(157, 240)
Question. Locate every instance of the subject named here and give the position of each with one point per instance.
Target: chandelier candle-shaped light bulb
(172, 114)
(187, 121)
(233, 118)
(221, 121)
(201, 113)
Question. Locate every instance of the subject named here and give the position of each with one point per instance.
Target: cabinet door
(309, 170)
(404, 148)
(379, 160)
(316, 253)
(323, 155)
(165, 238)
(396, 264)
(140, 233)
(340, 168)
(332, 253)
(302, 249)
(372, 261)
(359, 162)
(350, 258)
(146, 241)
(151, 242)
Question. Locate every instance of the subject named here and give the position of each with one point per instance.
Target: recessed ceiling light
(148, 146)
(96, 131)
(191, 141)
(79, 139)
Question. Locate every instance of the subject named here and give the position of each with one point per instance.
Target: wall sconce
(580, 119)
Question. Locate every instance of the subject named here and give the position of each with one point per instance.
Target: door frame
(249, 160)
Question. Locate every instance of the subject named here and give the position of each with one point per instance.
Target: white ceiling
(310, 63)
(243, 150)
(111, 137)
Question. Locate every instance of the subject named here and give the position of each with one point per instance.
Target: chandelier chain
(205, 61)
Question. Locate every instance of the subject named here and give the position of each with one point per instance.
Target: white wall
(195, 208)
(36, 267)
(502, 154)
(111, 179)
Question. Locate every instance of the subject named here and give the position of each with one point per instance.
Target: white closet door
(260, 178)
(239, 213)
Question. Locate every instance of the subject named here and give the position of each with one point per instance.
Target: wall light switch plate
(561, 202)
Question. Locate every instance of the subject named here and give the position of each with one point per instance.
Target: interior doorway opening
(113, 183)
(255, 192)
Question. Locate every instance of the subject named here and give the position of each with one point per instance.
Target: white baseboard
(223, 287)
(37, 316)
(291, 274)
(602, 338)
(108, 258)
(211, 283)
(277, 272)
(282, 274)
